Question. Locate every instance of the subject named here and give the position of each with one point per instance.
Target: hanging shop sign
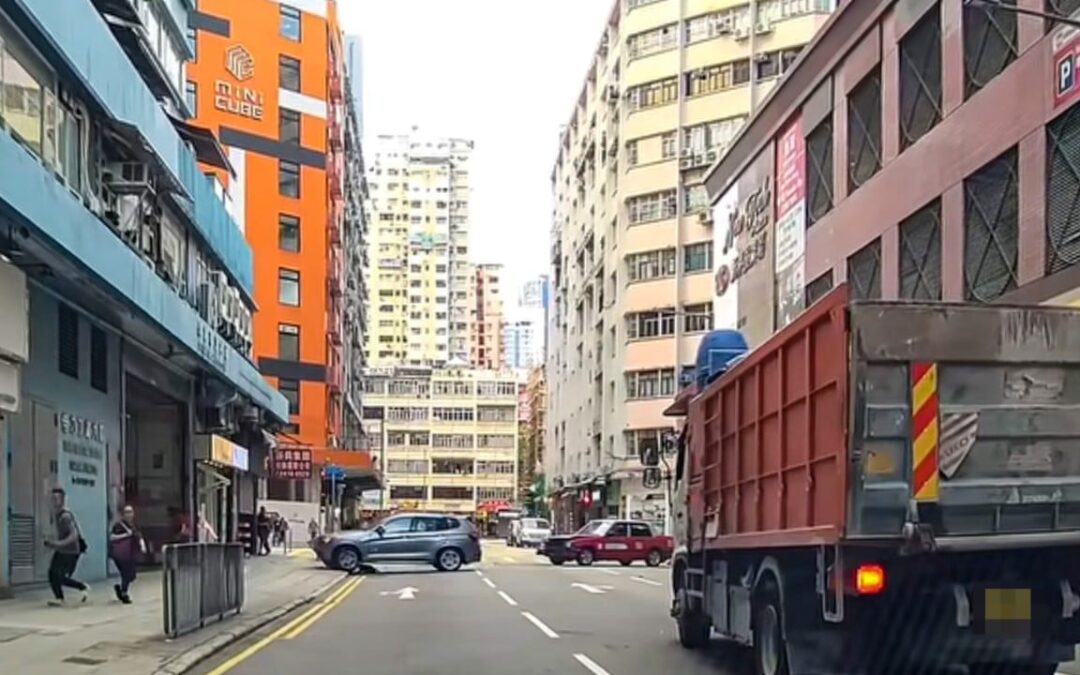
(790, 222)
(236, 98)
(750, 223)
(292, 463)
(1065, 45)
(219, 450)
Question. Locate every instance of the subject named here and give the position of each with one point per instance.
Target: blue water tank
(718, 352)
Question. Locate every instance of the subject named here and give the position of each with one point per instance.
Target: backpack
(82, 542)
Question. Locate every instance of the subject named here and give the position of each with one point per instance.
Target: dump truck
(885, 485)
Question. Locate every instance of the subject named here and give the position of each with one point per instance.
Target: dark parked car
(621, 540)
(447, 542)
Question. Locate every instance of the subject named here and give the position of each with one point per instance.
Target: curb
(185, 661)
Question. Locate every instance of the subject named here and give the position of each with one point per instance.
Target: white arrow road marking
(643, 580)
(489, 582)
(592, 666)
(407, 593)
(541, 625)
(510, 601)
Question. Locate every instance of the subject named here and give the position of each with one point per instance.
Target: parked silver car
(447, 542)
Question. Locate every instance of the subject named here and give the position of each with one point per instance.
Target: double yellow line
(294, 627)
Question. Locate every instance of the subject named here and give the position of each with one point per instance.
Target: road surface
(514, 614)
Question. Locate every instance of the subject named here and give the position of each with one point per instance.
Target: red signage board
(292, 463)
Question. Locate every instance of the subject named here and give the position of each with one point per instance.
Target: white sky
(504, 73)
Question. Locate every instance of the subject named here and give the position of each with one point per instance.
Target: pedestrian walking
(126, 547)
(313, 530)
(262, 522)
(67, 546)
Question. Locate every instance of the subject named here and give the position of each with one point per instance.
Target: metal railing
(200, 582)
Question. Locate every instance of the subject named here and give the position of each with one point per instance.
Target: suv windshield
(535, 524)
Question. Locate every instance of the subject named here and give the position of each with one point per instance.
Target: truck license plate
(1007, 612)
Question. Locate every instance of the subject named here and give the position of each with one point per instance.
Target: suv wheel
(449, 560)
(347, 558)
(585, 557)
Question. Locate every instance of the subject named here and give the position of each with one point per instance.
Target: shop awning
(680, 405)
(354, 468)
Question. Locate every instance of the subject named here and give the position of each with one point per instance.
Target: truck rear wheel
(770, 647)
(693, 625)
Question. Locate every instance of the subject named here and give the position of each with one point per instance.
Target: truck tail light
(870, 579)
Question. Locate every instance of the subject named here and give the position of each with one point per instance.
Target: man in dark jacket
(67, 546)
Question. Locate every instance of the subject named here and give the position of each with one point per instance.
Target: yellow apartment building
(447, 438)
(669, 86)
(419, 277)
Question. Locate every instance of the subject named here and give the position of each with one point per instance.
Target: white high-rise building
(419, 273)
(519, 345)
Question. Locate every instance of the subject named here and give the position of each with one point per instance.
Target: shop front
(220, 464)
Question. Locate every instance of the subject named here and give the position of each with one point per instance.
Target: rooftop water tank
(718, 352)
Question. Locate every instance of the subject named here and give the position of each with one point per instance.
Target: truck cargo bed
(859, 419)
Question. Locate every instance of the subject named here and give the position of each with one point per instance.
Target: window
(709, 26)
(291, 428)
(651, 41)
(650, 207)
(1063, 191)
(650, 383)
(767, 65)
(1062, 7)
(485, 493)
(289, 287)
(652, 94)
(288, 233)
(408, 492)
(991, 229)
(717, 77)
(864, 130)
(634, 4)
(711, 136)
(817, 288)
(864, 271)
(495, 413)
(638, 440)
(990, 43)
(398, 525)
(191, 96)
(819, 171)
(25, 96)
(640, 530)
(650, 265)
(920, 78)
(67, 340)
(920, 254)
(193, 40)
(697, 318)
(695, 199)
(495, 441)
(452, 414)
(642, 325)
(451, 440)
(289, 127)
(99, 360)
(668, 143)
(290, 389)
(288, 179)
(288, 338)
(697, 257)
(289, 73)
(290, 23)
(451, 492)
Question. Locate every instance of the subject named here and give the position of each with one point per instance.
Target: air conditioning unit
(613, 93)
(710, 156)
(741, 33)
(686, 163)
(128, 177)
(705, 218)
(764, 28)
(687, 152)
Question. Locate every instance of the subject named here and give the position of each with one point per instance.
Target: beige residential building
(419, 277)
(447, 438)
(670, 85)
(488, 317)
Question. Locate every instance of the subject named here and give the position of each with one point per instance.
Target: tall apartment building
(519, 345)
(125, 288)
(419, 276)
(487, 319)
(448, 437)
(669, 87)
(269, 81)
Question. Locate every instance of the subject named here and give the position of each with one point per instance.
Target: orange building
(268, 79)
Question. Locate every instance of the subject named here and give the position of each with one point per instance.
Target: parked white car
(529, 532)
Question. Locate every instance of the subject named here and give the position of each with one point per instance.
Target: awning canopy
(207, 148)
(681, 404)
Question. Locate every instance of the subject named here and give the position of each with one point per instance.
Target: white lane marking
(510, 601)
(509, 559)
(489, 582)
(592, 666)
(589, 588)
(541, 625)
(611, 572)
(407, 593)
(643, 580)
(479, 573)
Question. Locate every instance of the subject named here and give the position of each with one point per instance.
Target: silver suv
(445, 541)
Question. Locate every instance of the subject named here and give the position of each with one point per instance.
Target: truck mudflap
(934, 624)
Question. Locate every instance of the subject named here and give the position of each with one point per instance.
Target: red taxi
(621, 540)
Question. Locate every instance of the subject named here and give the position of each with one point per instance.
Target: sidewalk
(105, 636)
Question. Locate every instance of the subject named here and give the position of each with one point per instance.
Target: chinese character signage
(293, 463)
(790, 222)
